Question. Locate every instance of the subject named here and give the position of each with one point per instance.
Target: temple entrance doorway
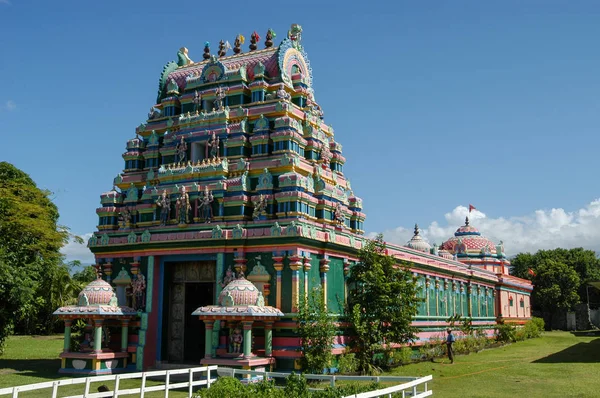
(191, 285)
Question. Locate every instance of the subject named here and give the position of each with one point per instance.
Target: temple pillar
(124, 334)
(67, 342)
(470, 300)
(208, 325)
(97, 335)
(295, 264)
(278, 266)
(323, 269)
(307, 266)
(247, 339)
(346, 275)
(240, 263)
(268, 339)
(446, 296)
(437, 297)
(108, 269)
(427, 284)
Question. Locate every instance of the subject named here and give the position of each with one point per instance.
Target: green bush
(539, 322)
(399, 357)
(505, 333)
(347, 363)
(223, 387)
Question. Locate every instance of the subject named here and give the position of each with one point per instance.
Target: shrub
(223, 387)
(539, 322)
(347, 363)
(406, 355)
(505, 333)
(316, 328)
(399, 357)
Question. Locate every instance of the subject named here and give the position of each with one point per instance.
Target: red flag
(530, 272)
(471, 208)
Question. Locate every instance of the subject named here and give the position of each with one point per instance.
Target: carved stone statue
(125, 218)
(282, 94)
(181, 150)
(260, 207)
(197, 101)
(164, 202)
(229, 276)
(325, 153)
(213, 144)
(138, 288)
(219, 97)
(338, 214)
(182, 57)
(236, 340)
(153, 114)
(205, 205)
(295, 35)
(183, 206)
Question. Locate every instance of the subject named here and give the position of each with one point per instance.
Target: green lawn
(560, 364)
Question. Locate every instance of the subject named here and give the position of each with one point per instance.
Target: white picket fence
(117, 390)
(414, 387)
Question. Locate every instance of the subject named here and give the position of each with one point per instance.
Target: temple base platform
(259, 364)
(94, 363)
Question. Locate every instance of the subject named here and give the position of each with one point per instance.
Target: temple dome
(417, 242)
(239, 292)
(468, 240)
(98, 292)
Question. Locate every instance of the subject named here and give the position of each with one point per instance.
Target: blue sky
(437, 104)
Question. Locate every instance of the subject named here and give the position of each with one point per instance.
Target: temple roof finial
(467, 220)
(417, 229)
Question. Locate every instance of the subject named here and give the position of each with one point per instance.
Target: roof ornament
(172, 88)
(206, 54)
(467, 221)
(417, 230)
(223, 48)
(237, 44)
(254, 38)
(295, 35)
(269, 38)
(182, 57)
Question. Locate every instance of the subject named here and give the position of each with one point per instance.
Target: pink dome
(468, 239)
(239, 292)
(98, 292)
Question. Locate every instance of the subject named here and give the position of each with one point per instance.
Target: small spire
(206, 54)
(416, 229)
(467, 221)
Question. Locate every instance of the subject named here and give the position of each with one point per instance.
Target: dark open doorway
(196, 295)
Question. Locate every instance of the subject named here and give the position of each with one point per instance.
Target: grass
(560, 364)
(34, 359)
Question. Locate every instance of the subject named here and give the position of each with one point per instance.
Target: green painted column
(97, 335)
(67, 341)
(124, 334)
(208, 325)
(247, 339)
(268, 339)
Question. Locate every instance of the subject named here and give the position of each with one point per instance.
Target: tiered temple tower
(235, 173)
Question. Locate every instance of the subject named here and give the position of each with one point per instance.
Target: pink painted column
(307, 266)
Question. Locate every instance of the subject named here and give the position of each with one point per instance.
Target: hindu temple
(233, 202)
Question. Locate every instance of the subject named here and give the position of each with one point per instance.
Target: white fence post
(117, 379)
(168, 376)
(191, 379)
(55, 389)
(208, 377)
(143, 388)
(87, 386)
(15, 392)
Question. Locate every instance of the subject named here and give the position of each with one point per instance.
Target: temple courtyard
(558, 364)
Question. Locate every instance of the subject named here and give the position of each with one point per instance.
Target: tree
(382, 302)
(555, 288)
(316, 328)
(30, 242)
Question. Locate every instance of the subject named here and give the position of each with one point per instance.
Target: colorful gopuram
(233, 203)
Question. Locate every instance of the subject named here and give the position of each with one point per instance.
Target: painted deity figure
(153, 114)
(325, 153)
(183, 207)
(236, 340)
(138, 290)
(282, 94)
(183, 58)
(229, 276)
(213, 144)
(219, 97)
(338, 214)
(164, 202)
(260, 207)
(181, 150)
(125, 218)
(197, 101)
(205, 205)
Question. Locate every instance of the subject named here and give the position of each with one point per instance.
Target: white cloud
(543, 229)
(10, 104)
(78, 251)
(7, 2)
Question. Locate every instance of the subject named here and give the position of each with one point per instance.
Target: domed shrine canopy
(97, 304)
(472, 248)
(240, 304)
(417, 242)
